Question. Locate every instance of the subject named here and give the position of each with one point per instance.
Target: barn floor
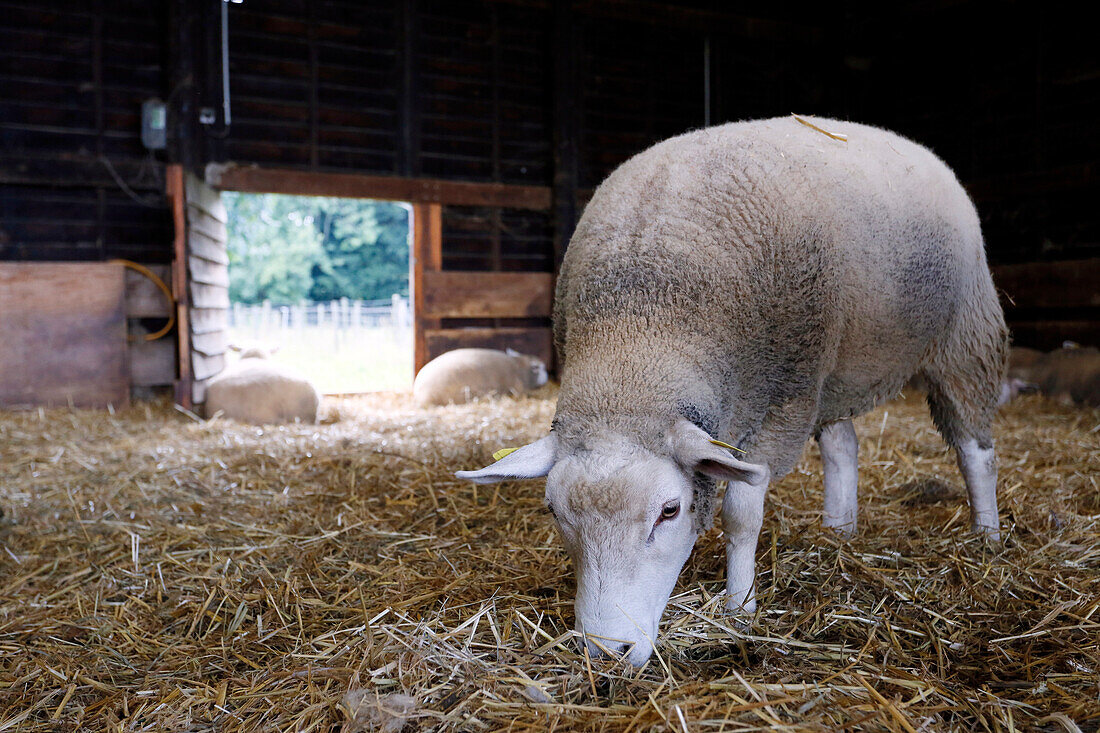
(163, 574)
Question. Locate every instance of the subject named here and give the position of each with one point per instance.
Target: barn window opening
(324, 283)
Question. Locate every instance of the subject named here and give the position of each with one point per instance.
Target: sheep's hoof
(739, 615)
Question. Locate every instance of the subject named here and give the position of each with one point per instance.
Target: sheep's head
(627, 518)
(535, 374)
(253, 351)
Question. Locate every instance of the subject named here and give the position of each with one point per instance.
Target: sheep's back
(461, 375)
(259, 392)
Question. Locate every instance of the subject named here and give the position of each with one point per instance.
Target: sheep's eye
(669, 511)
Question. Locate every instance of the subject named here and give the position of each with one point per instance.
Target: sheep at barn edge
(259, 391)
(1069, 375)
(757, 283)
(458, 376)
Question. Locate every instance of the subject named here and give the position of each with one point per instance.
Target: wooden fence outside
(343, 323)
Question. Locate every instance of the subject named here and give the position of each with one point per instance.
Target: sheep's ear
(511, 352)
(274, 349)
(531, 461)
(233, 347)
(695, 450)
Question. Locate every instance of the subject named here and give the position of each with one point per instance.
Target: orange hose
(163, 288)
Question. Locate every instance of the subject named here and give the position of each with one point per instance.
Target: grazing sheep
(459, 376)
(757, 283)
(258, 391)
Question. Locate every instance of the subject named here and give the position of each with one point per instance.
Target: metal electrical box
(154, 124)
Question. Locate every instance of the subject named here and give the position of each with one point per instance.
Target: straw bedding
(158, 573)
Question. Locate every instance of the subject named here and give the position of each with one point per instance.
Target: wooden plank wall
(1047, 303)
(208, 271)
(72, 79)
(1013, 112)
(63, 330)
(340, 85)
(466, 92)
(152, 363)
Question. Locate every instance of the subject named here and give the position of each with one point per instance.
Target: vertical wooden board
(63, 331)
(175, 191)
(152, 363)
(427, 256)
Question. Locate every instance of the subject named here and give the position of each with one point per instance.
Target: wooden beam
(1065, 284)
(487, 294)
(533, 341)
(253, 179)
(427, 257)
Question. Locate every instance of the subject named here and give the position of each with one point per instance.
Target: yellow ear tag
(504, 452)
(726, 445)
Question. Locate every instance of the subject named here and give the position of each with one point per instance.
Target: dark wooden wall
(1008, 94)
(526, 92)
(73, 75)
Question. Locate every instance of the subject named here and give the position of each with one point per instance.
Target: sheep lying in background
(258, 391)
(1070, 375)
(461, 375)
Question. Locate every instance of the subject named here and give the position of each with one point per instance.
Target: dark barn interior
(161, 571)
(508, 114)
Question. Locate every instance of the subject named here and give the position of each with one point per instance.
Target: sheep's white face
(536, 374)
(627, 524)
(625, 515)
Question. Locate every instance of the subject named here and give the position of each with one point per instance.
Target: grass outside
(348, 361)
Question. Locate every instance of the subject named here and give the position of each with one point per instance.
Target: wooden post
(176, 198)
(566, 125)
(409, 100)
(427, 255)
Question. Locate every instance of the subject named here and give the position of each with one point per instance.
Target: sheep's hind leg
(840, 458)
(742, 518)
(978, 465)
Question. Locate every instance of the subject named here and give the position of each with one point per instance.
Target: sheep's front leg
(742, 517)
(840, 457)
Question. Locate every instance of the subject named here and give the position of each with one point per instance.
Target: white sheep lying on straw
(464, 374)
(258, 391)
